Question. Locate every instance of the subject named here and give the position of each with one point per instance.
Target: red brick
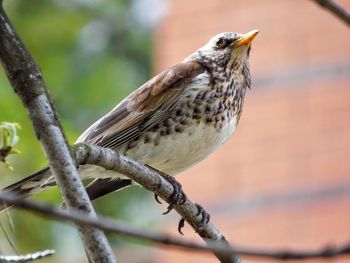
(292, 137)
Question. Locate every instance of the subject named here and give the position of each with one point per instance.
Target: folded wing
(144, 108)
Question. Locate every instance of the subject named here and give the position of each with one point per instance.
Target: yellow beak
(247, 38)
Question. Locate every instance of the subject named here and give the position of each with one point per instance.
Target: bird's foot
(205, 217)
(178, 197)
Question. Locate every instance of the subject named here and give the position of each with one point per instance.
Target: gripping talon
(183, 198)
(199, 209)
(169, 208)
(181, 225)
(205, 216)
(157, 199)
(177, 197)
(207, 219)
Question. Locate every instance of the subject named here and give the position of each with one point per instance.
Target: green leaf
(8, 134)
(8, 138)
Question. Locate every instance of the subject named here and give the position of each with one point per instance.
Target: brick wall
(283, 180)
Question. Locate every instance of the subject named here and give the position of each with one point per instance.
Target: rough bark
(26, 80)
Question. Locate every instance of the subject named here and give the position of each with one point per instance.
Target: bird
(173, 121)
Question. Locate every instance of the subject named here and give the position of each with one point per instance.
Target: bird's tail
(30, 185)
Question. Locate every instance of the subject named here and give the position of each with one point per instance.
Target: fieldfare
(173, 121)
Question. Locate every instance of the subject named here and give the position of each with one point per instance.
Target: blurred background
(281, 182)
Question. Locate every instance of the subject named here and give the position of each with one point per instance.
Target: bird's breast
(175, 151)
(202, 120)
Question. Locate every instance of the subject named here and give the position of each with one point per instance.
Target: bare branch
(153, 181)
(107, 224)
(336, 9)
(325, 252)
(113, 226)
(27, 257)
(27, 82)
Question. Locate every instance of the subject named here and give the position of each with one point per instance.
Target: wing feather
(142, 109)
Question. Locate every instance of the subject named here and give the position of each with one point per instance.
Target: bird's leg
(177, 197)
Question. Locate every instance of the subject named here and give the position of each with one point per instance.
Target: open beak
(246, 39)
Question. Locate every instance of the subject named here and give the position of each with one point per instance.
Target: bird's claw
(157, 199)
(205, 218)
(178, 197)
(181, 225)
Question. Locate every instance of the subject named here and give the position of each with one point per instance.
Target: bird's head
(226, 51)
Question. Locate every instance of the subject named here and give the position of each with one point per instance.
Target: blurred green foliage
(92, 54)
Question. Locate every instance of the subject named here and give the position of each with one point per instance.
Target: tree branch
(336, 9)
(27, 257)
(27, 82)
(113, 226)
(151, 180)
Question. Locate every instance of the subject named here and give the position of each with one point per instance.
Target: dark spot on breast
(163, 131)
(197, 110)
(204, 95)
(168, 123)
(147, 138)
(179, 113)
(196, 116)
(184, 121)
(179, 128)
(209, 119)
(169, 131)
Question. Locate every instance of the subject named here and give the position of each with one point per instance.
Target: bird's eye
(221, 43)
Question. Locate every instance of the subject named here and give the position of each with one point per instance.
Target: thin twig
(335, 9)
(26, 80)
(113, 226)
(27, 257)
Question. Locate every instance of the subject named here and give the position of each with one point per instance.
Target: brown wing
(142, 109)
